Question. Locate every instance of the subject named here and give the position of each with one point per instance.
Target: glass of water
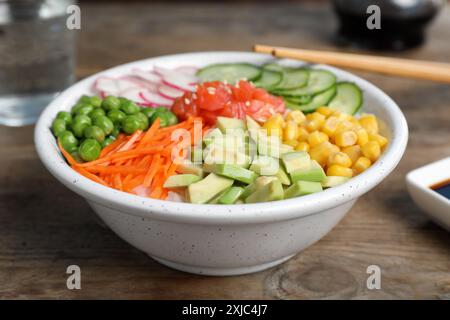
(37, 57)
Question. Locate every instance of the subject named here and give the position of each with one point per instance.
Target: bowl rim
(219, 214)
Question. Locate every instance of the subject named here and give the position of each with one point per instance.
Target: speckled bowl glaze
(221, 239)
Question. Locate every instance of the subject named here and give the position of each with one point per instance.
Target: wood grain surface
(44, 227)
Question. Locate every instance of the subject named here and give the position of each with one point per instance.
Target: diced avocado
(283, 176)
(224, 124)
(270, 192)
(196, 154)
(215, 200)
(333, 181)
(313, 173)
(181, 180)
(251, 123)
(235, 172)
(207, 188)
(211, 136)
(301, 188)
(189, 167)
(264, 165)
(231, 195)
(269, 146)
(285, 148)
(258, 183)
(216, 154)
(296, 161)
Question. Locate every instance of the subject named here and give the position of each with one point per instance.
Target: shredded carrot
(142, 159)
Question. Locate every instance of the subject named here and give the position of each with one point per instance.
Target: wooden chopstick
(417, 69)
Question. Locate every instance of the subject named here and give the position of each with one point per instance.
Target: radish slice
(178, 82)
(169, 92)
(107, 85)
(133, 94)
(146, 75)
(124, 84)
(142, 83)
(187, 70)
(155, 99)
(182, 77)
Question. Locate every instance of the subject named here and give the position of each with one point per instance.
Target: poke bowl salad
(223, 133)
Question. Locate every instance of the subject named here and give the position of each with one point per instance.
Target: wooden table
(44, 227)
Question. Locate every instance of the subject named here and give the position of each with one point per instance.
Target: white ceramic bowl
(221, 239)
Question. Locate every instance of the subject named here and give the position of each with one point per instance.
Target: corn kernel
(316, 138)
(274, 125)
(362, 135)
(354, 152)
(316, 116)
(302, 134)
(312, 125)
(371, 150)
(302, 146)
(325, 111)
(361, 164)
(339, 158)
(382, 141)
(344, 125)
(292, 143)
(344, 117)
(290, 132)
(297, 116)
(345, 138)
(369, 122)
(322, 151)
(337, 170)
(330, 125)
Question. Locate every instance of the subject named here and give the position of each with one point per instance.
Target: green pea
(85, 110)
(94, 132)
(116, 116)
(82, 118)
(77, 107)
(96, 101)
(163, 118)
(78, 129)
(116, 131)
(108, 141)
(144, 120)
(89, 149)
(171, 119)
(161, 110)
(76, 156)
(66, 116)
(131, 123)
(129, 107)
(68, 141)
(148, 111)
(84, 99)
(104, 123)
(96, 113)
(111, 103)
(58, 126)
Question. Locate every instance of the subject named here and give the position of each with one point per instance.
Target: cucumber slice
(230, 72)
(269, 79)
(319, 81)
(321, 99)
(348, 99)
(274, 67)
(293, 79)
(301, 99)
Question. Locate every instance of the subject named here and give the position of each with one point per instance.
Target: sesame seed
(186, 101)
(247, 103)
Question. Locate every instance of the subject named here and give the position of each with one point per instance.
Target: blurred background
(35, 41)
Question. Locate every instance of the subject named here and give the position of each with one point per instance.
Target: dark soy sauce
(443, 188)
